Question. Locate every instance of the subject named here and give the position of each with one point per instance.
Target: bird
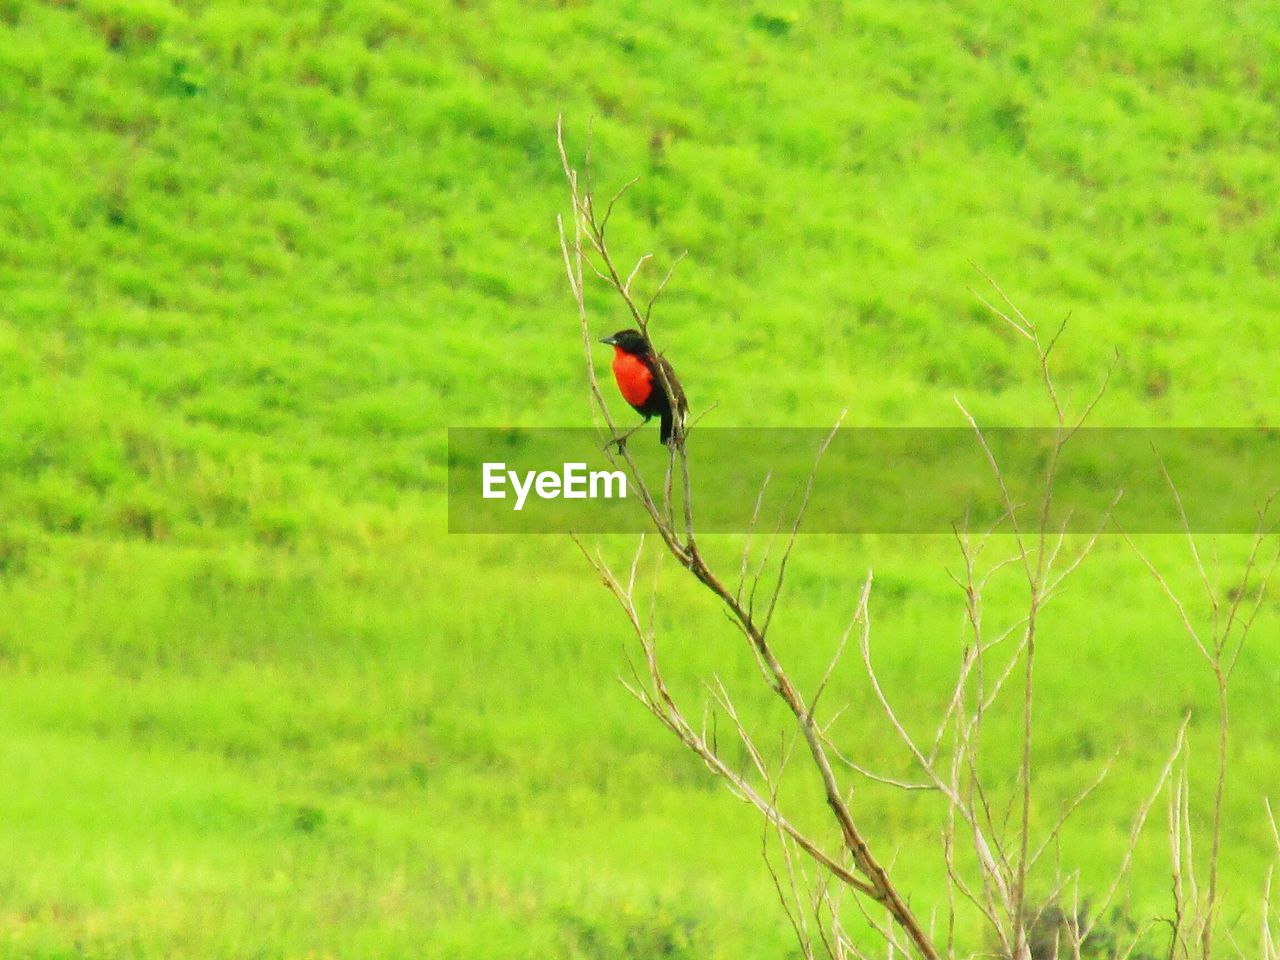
(635, 368)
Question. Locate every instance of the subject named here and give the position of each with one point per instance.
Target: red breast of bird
(635, 378)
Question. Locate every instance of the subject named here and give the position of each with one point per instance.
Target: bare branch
(795, 527)
(1136, 831)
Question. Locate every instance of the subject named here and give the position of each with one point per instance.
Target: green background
(254, 259)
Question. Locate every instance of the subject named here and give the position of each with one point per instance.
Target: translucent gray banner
(871, 480)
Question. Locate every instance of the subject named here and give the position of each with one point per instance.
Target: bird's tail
(671, 428)
(672, 433)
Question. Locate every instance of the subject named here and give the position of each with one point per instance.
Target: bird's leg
(621, 441)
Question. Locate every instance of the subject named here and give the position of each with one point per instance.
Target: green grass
(254, 260)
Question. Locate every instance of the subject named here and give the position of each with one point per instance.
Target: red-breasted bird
(635, 367)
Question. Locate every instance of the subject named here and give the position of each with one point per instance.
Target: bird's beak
(609, 340)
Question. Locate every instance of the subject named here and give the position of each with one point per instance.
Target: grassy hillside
(254, 259)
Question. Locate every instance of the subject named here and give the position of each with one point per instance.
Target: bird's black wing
(673, 419)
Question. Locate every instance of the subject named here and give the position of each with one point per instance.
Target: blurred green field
(255, 258)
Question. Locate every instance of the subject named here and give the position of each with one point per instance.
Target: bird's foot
(620, 443)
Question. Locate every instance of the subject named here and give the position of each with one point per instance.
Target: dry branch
(587, 243)
(1005, 854)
